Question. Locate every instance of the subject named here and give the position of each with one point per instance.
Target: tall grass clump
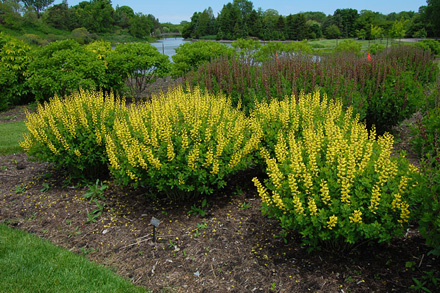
(181, 144)
(71, 132)
(384, 90)
(329, 178)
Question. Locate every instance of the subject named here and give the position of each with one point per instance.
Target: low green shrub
(189, 56)
(180, 144)
(426, 142)
(426, 133)
(330, 179)
(427, 201)
(376, 48)
(82, 36)
(14, 59)
(431, 45)
(71, 132)
(349, 46)
(399, 97)
(63, 67)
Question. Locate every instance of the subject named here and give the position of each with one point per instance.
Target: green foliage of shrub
(431, 45)
(247, 49)
(426, 142)
(182, 145)
(426, 133)
(63, 67)
(376, 48)
(14, 60)
(330, 179)
(131, 67)
(82, 36)
(189, 56)
(400, 96)
(349, 46)
(271, 50)
(70, 132)
(427, 201)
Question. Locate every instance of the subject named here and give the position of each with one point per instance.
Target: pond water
(167, 46)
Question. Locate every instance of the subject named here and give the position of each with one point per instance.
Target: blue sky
(175, 11)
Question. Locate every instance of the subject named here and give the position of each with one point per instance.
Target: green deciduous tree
(398, 29)
(58, 16)
(132, 67)
(433, 17)
(123, 15)
(333, 32)
(38, 5)
(10, 13)
(140, 26)
(96, 16)
(345, 19)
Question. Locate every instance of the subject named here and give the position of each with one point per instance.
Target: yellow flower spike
(298, 205)
(276, 198)
(404, 215)
(331, 223)
(375, 199)
(356, 217)
(312, 206)
(325, 193)
(262, 192)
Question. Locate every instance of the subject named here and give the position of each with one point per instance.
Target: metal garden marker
(155, 222)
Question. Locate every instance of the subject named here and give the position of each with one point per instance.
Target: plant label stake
(155, 222)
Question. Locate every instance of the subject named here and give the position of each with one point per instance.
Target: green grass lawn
(31, 264)
(10, 134)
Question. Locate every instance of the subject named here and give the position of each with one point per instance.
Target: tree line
(239, 19)
(95, 16)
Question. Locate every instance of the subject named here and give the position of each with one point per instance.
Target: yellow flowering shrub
(70, 132)
(329, 178)
(181, 143)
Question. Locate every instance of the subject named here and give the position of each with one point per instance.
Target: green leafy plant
(96, 213)
(425, 141)
(45, 188)
(200, 211)
(96, 191)
(202, 225)
(20, 189)
(427, 202)
(245, 206)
